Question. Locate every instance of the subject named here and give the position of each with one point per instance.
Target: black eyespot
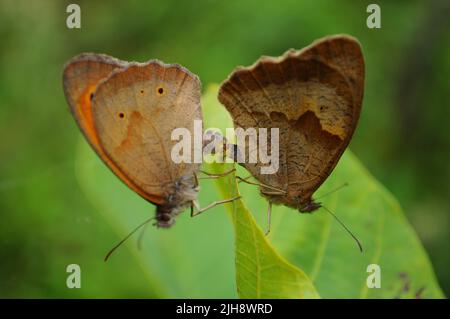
(321, 108)
(142, 91)
(160, 90)
(121, 115)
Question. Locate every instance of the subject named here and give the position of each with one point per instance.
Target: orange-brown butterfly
(127, 111)
(313, 96)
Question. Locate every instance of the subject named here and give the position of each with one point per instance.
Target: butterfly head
(180, 196)
(310, 206)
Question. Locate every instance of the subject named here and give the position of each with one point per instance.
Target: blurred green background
(47, 222)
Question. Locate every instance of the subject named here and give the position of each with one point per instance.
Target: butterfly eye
(121, 115)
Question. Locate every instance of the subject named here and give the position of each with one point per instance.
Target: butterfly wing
(313, 105)
(81, 76)
(135, 111)
(343, 53)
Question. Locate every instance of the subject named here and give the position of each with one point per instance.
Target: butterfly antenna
(126, 237)
(345, 227)
(332, 191)
(141, 236)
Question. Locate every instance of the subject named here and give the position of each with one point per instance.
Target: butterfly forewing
(343, 53)
(81, 76)
(144, 103)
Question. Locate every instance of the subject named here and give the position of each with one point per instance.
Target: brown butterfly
(314, 97)
(127, 111)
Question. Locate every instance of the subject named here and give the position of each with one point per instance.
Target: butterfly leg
(244, 179)
(196, 179)
(213, 204)
(213, 176)
(273, 193)
(269, 215)
(261, 185)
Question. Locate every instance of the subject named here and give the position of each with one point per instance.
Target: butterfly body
(181, 194)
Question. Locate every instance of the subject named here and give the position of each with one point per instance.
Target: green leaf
(195, 258)
(329, 256)
(260, 271)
